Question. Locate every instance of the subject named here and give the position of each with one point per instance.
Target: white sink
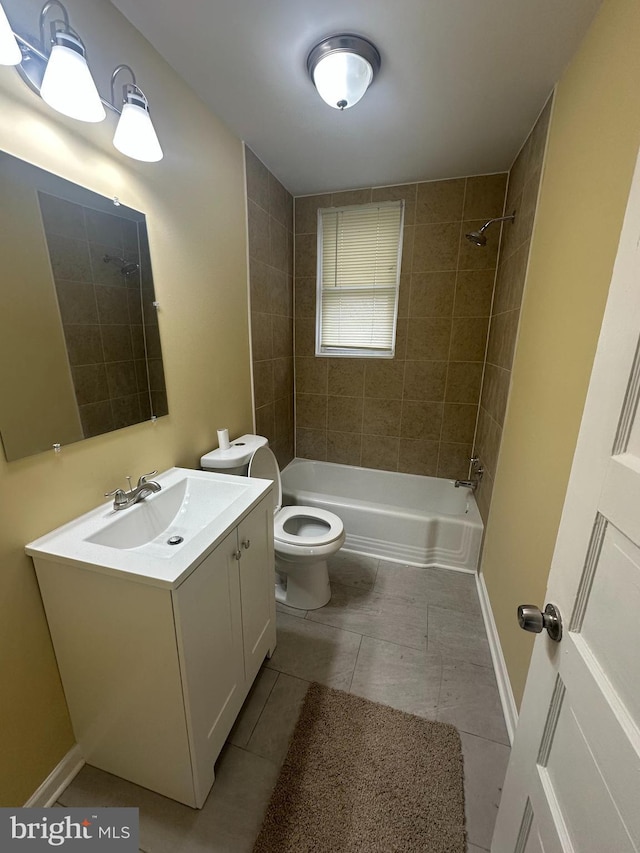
(181, 509)
(162, 538)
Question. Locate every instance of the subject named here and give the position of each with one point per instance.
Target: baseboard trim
(60, 777)
(509, 706)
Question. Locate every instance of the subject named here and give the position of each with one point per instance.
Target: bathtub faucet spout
(476, 475)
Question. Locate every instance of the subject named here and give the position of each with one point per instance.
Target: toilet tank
(234, 460)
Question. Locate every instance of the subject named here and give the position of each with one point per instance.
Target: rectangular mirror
(80, 347)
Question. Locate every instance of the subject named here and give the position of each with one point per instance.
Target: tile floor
(410, 638)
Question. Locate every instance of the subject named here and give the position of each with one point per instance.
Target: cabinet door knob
(246, 544)
(237, 554)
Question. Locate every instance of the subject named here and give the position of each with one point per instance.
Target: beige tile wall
(415, 413)
(270, 221)
(522, 195)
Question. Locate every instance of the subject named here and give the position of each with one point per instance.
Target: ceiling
(461, 82)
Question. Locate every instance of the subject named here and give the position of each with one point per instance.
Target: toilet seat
(334, 531)
(264, 465)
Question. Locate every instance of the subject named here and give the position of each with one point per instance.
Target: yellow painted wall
(593, 143)
(195, 205)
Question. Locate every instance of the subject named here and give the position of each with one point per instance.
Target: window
(359, 253)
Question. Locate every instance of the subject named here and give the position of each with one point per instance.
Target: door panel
(257, 586)
(539, 825)
(207, 612)
(534, 843)
(574, 773)
(592, 822)
(611, 633)
(610, 732)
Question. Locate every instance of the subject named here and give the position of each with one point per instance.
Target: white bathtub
(423, 521)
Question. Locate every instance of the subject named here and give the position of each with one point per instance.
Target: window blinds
(359, 253)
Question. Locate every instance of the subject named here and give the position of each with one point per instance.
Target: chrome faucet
(122, 499)
(469, 484)
(476, 475)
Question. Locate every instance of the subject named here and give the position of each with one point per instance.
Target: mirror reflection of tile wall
(101, 311)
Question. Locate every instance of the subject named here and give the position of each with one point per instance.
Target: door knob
(531, 618)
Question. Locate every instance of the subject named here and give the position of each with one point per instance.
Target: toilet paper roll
(223, 439)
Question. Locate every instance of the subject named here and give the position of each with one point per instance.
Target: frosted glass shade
(68, 86)
(342, 79)
(10, 53)
(135, 134)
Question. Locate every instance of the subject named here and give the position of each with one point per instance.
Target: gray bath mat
(363, 777)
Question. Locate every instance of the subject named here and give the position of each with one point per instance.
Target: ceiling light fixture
(57, 70)
(342, 68)
(10, 53)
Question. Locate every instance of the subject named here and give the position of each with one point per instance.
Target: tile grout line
(473, 734)
(347, 631)
(315, 622)
(255, 726)
(370, 636)
(355, 665)
(455, 291)
(375, 579)
(482, 737)
(440, 685)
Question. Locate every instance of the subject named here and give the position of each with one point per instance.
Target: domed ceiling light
(342, 68)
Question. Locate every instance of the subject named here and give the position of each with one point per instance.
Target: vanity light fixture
(10, 53)
(342, 68)
(135, 134)
(67, 84)
(57, 70)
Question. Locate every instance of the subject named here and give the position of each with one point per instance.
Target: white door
(573, 782)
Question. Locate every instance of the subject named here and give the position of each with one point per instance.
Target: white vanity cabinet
(225, 614)
(155, 672)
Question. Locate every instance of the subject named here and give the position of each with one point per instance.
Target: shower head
(478, 238)
(126, 267)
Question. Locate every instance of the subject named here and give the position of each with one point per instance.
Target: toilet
(304, 536)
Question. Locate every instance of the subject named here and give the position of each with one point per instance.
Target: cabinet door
(208, 622)
(257, 586)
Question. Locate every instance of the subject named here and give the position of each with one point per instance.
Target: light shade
(342, 69)
(10, 53)
(135, 134)
(67, 85)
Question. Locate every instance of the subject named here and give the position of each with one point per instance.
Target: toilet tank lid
(239, 453)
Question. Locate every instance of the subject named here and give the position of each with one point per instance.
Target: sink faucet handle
(118, 495)
(144, 477)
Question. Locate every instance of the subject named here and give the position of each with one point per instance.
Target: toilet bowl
(304, 536)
